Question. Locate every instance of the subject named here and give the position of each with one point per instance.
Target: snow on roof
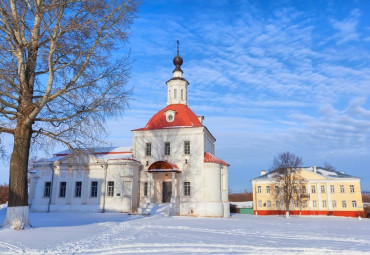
(210, 158)
(102, 153)
(330, 174)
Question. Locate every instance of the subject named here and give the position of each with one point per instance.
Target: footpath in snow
(114, 233)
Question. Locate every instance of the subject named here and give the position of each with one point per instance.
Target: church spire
(177, 61)
(177, 85)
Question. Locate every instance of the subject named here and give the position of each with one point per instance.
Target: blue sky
(269, 77)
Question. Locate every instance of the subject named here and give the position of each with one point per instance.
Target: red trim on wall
(307, 212)
(98, 153)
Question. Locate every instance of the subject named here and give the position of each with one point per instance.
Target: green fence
(246, 210)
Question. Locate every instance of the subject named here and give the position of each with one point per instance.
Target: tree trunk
(17, 212)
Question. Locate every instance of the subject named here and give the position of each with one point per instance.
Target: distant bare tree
(288, 182)
(58, 79)
(329, 166)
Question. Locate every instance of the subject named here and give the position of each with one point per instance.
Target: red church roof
(184, 117)
(209, 158)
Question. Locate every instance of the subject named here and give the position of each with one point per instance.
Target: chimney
(314, 169)
(263, 172)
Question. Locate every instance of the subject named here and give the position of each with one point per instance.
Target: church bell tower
(177, 86)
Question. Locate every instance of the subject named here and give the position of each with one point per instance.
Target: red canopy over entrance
(163, 166)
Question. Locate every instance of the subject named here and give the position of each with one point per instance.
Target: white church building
(172, 161)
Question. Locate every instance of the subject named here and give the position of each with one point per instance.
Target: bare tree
(287, 179)
(58, 79)
(329, 166)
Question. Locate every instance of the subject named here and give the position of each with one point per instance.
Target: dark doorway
(166, 192)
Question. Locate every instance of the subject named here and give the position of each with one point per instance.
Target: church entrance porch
(163, 185)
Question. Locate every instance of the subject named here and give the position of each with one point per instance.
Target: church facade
(172, 161)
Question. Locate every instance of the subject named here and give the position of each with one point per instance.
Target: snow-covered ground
(113, 233)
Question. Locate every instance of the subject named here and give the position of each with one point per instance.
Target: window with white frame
(110, 190)
(295, 203)
(47, 189)
(344, 203)
(324, 203)
(352, 188)
(167, 148)
(277, 204)
(332, 189)
(148, 149)
(268, 189)
(341, 188)
(268, 203)
(187, 147)
(187, 189)
(94, 189)
(78, 189)
(259, 189)
(259, 203)
(305, 203)
(322, 188)
(334, 203)
(313, 189)
(354, 204)
(62, 189)
(314, 204)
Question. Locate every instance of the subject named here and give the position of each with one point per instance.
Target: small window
(334, 204)
(94, 189)
(341, 188)
(47, 189)
(352, 188)
(62, 189)
(354, 204)
(258, 189)
(277, 204)
(295, 190)
(145, 189)
(259, 203)
(322, 189)
(268, 203)
(110, 189)
(186, 188)
(332, 189)
(148, 149)
(344, 204)
(167, 148)
(313, 189)
(314, 204)
(78, 189)
(187, 147)
(305, 203)
(268, 189)
(324, 203)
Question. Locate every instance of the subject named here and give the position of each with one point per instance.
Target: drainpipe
(105, 166)
(51, 186)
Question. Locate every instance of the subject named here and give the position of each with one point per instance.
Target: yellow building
(325, 192)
